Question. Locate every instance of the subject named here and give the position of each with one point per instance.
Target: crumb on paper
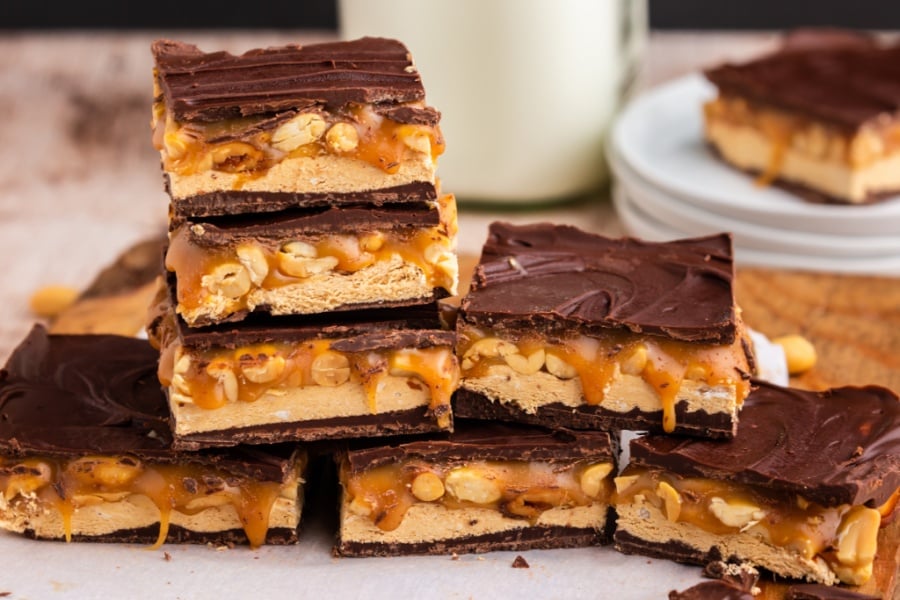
(520, 562)
(454, 556)
(5, 594)
(167, 557)
(481, 558)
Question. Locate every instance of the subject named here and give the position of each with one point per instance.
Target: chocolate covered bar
(86, 454)
(325, 376)
(566, 328)
(293, 126)
(818, 116)
(486, 486)
(313, 260)
(800, 491)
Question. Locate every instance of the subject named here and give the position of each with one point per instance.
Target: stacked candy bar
(309, 244)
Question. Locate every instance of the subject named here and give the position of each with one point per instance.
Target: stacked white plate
(668, 184)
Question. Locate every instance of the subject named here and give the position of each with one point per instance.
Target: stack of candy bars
(300, 309)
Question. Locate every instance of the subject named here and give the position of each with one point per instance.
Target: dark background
(322, 14)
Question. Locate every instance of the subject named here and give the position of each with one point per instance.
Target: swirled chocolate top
(844, 79)
(474, 440)
(556, 277)
(840, 446)
(73, 395)
(201, 86)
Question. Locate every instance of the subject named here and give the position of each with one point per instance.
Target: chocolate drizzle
(201, 86)
(844, 81)
(840, 446)
(549, 277)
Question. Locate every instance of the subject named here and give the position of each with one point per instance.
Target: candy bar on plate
(86, 454)
(486, 486)
(325, 376)
(818, 116)
(292, 126)
(800, 491)
(313, 260)
(567, 328)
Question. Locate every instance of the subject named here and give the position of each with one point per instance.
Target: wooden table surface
(80, 183)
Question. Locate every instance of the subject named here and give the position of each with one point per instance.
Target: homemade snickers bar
(86, 454)
(326, 376)
(800, 491)
(819, 116)
(313, 261)
(566, 328)
(486, 486)
(292, 126)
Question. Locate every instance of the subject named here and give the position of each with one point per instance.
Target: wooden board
(853, 322)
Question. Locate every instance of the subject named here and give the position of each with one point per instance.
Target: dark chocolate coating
(72, 395)
(844, 82)
(239, 202)
(556, 278)
(484, 440)
(200, 86)
(712, 590)
(277, 228)
(840, 446)
(353, 331)
(817, 591)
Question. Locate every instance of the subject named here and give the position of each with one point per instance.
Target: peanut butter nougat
(86, 454)
(311, 377)
(567, 328)
(800, 491)
(486, 486)
(819, 116)
(292, 126)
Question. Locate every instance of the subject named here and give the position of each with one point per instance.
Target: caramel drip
(663, 364)
(214, 374)
(67, 485)
(186, 152)
(803, 527)
(526, 490)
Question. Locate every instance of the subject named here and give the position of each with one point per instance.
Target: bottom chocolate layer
(178, 535)
(418, 420)
(469, 404)
(528, 538)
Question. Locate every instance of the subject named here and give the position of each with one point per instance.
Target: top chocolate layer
(817, 591)
(200, 86)
(840, 446)
(844, 80)
(555, 277)
(72, 395)
(485, 440)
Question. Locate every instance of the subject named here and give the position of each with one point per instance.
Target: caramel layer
(64, 486)
(663, 364)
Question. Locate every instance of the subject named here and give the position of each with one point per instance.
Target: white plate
(659, 135)
(640, 224)
(696, 220)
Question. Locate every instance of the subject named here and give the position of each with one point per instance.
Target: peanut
(228, 279)
(735, 513)
(299, 131)
(526, 366)
(51, 300)
(592, 478)
(467, 484)
(635, 363)
(342, 137)
(330, 369)
(559, 368)
(427, 487)
(857, 543)
(671, 500)
(799, 353)
(254, 260)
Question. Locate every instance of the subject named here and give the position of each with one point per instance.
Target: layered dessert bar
(312, 261)
(325, 376)
(292, 126)
(567, 328)
(86, 454)
(800, 491)
(486, 486)
(818, 116)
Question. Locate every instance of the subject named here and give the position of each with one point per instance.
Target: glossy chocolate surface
(555, 277)
(202, 86)
(72, 395)
(840, 446)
